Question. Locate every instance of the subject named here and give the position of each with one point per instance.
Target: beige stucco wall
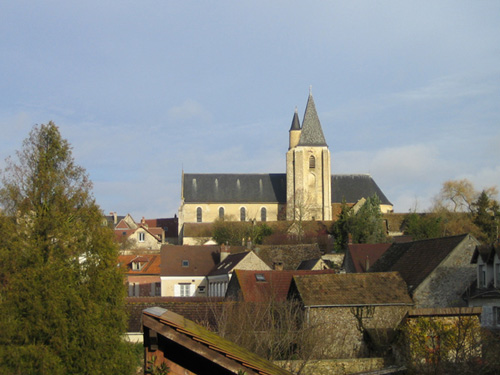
(168, 284)
(150, 242)
(210, 211)
(309, 191)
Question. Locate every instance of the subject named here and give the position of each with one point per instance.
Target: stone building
(307, 191)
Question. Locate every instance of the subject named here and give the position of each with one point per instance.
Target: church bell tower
(308, 169)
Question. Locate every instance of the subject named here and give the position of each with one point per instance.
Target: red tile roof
(152, 266)
(362, 255)
(274, 284)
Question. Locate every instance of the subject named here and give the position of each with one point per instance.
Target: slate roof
(275, 284)
(295, 121)
(486, 253)
(351, 289)
(269, 188)
(234, 188)
(202, 336)
(308, 264)
(353, 187)
(201, 260)
(312, 133)
(418, 259)
(358, 254)
(228, 264)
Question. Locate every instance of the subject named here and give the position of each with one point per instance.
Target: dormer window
(137, 266)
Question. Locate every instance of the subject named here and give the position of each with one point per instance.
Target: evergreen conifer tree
(61, 292)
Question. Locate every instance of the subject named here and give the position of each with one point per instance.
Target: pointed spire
(295, 121)
(312, 133)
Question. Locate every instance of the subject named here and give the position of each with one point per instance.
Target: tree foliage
(424, 226)
(363, 226)
(238, 233)
(463, 209)
(62, 296)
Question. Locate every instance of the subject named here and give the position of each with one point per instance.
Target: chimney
(224, 252)
(115, 217)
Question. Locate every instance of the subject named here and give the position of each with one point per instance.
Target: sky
(408, 92)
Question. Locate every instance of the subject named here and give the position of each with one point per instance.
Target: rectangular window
(185, 263)
(482, 276)
(142, 236)
(497, 275)
(185, 290)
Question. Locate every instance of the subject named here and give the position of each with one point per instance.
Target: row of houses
(353, 309)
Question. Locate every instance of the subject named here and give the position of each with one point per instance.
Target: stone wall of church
(232, 211)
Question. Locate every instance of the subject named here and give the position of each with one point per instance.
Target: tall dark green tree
(486, 215)
(366, 226)
(424, 226)
(61, 293)
(340, 228)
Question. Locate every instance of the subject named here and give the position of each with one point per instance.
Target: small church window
(221, 212)
(312, 162)
(263, 214)
(243, 214)
(199, 215)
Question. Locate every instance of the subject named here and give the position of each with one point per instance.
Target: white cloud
(189, 110)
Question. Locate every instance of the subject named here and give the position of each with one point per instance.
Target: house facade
(352, 314)
(142, 273)
(437, 271)
(307, 191)
(485, 291)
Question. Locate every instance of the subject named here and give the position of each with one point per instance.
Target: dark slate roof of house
(152, 266)
(241, 188)
(228, 264)
(418, 259)
(308, 264)
(486, 252)
(351, 289)
(365, 254)
(197, 335)
(353, 187)
(201, 260)
(268, 285)
(312, 133)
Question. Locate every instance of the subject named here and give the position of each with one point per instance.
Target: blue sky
(406, 91)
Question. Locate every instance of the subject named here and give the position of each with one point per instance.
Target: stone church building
(307, 191)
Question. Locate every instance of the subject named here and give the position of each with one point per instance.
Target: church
(307, 191)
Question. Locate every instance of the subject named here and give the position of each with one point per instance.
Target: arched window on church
(243, 214)
(199, 215)
(263, 214)
(221, 213)
(312, 162)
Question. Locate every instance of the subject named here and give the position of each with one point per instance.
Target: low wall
(335, 366)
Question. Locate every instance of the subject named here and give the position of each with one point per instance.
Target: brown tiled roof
(361, 253)
(416, 260)
(220, 346)
(351, 289)
(152, 266)
(198, 309)
(202, 260)
(274, 285)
